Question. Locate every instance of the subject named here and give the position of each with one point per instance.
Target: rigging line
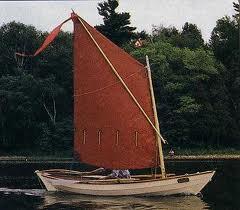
(121, 80)
(97, 90)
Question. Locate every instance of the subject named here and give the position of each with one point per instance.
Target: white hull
(190, 184)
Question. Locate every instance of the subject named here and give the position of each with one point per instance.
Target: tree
(236, 8)
(16, 37)
(167, 34)
(225, 45)
(192, 100)
(224, 40)
(17, 107)
(191, 36)
(116, 25)
(35, 93)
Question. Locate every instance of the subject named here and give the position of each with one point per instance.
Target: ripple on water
(31, 192)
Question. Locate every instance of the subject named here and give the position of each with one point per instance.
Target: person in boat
(120, 174)
(171, 153)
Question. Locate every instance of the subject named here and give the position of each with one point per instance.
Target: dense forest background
(197, 84)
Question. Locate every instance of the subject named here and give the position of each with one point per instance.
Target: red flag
(47, 41)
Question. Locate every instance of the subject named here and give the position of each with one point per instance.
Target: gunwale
(125, 181)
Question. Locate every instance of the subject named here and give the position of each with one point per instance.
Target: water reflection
(63, 201)
(26, 199)
(21, 199)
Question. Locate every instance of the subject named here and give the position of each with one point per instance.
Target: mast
(159, 142)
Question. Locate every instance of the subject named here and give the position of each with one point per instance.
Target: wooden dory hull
(189, 184)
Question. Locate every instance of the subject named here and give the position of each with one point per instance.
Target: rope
(100, 89)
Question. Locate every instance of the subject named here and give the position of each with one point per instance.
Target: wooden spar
(121, 80)
(159, 142)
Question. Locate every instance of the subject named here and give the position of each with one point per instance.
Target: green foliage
(192, 100)
(56, 138)
(190, 37)
(187, 105)
(236, 8)
(225, 45)
(116, 25)
(15, 38)
(224, 41)
(170, 35)
(16, 109)
(33, 113)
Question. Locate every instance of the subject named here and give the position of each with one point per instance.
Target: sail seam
(84, 136)
(99, 137)
(117, 137)
(136, 138)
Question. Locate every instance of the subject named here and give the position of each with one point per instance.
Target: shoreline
(46, 159)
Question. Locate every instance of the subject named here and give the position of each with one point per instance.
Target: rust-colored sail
(110, 129)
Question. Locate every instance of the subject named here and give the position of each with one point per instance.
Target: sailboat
(115, 123)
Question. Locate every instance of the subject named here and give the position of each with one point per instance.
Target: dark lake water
(20, 189)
